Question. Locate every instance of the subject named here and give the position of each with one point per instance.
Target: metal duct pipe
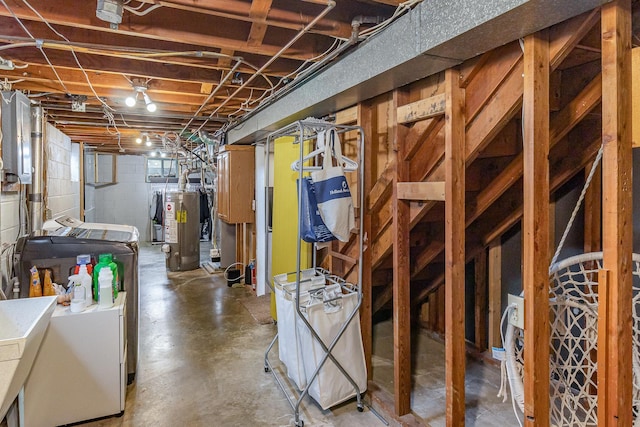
(37, 156)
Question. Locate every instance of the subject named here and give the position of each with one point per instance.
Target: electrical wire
(62, 36)
(38, 44)
(135, 11)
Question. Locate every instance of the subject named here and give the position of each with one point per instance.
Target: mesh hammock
(573, 365)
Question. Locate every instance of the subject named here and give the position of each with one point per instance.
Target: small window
(159, 170)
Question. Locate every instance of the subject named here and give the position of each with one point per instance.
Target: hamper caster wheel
(266, 369)
(300, 423)
(360, 408)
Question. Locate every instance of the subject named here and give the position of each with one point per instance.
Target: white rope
(587, 182)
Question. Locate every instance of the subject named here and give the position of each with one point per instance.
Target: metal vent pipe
(35, 197)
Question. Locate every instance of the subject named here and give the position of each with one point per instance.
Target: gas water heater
(182, 230)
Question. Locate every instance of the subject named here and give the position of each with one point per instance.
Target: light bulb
(148, 143)
(163, 154)
(138, 140)
(153, 154)
(151, 107)
(130, 101)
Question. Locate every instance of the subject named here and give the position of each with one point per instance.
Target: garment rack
(307, 130)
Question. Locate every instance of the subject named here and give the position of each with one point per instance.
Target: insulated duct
(35, 198)
(433, 36)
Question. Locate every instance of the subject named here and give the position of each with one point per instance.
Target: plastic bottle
(78, 299)
(85, 282)
(35, 288)
(105, 280)
(47, 289)
(105, 261)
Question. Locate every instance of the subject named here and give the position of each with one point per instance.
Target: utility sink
(23, 323)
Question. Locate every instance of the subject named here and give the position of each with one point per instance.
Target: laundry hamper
(330, 387)
(289, 349)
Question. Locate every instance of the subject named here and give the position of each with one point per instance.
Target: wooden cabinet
(236, 164)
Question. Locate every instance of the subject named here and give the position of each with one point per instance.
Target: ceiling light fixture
(153, 154)
(148, 143)
(138, 140)
(140, 88)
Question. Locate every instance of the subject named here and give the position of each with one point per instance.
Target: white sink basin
(23, 323)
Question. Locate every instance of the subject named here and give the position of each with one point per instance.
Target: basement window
(162, 170)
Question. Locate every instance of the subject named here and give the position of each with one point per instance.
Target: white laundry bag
(289, 350)
(333, 196)
(330, 387)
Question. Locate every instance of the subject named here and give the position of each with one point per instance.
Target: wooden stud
(401, 274)
(603, 341)
(480, 274)
(635, 93)
(420, 190)
(536, 229)
(617, 214)
(455, 351)
(366, 121)
(593, 211)
(81, 158)
(495, 292)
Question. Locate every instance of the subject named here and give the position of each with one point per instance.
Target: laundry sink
(23, 323)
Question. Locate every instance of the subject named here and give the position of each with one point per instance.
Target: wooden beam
(258, 12)
(366, 119)
(593, 211)
(455, 351)
(635, 94)
(561, 125)
(536, 229)
(348, 116)
(226, 61)
(604, 307)
(481, 288)
(564, 38)
(495, 292)
(617, 214)
(421, 110)
(401, 273)
(421, 190)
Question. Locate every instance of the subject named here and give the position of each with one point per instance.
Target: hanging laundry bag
(312, 228)
(289, 349)
(332, 189)
(330, 387)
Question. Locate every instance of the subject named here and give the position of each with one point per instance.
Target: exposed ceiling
(202, 62)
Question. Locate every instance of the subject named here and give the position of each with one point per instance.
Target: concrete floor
(201, 359)
(201, 364)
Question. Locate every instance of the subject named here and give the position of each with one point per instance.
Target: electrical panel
(16, 137)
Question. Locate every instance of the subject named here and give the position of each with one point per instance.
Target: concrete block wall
(63, 183)
(127, 201)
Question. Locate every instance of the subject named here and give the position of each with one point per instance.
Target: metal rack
(307, 130)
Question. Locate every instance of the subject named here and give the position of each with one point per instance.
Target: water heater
(182, 230)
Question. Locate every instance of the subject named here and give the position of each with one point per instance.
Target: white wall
(62, 174)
